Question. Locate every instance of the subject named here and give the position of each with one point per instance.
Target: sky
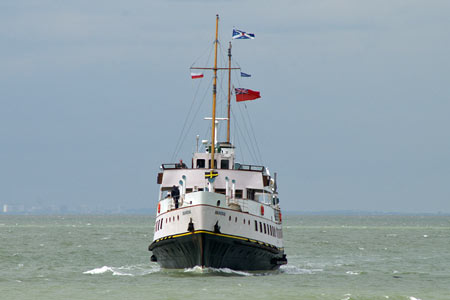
(354, 113)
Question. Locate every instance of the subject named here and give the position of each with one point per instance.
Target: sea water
(330, 257)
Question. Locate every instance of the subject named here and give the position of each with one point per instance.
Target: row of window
(224, 164)
(263, 227)
(268, 229)
(159, 223)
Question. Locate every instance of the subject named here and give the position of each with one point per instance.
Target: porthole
(235, 219)
(229, 218)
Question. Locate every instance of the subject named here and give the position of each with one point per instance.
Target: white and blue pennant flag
(242, 35)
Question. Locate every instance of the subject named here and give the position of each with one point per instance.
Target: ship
(217, 212)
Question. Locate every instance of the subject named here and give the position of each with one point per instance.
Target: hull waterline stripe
(217, 234)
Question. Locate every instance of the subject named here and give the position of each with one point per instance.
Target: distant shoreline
(150, 212)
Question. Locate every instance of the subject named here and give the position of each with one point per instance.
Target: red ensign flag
(246, 94)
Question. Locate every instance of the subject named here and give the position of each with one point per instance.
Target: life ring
(159, 208)
(262, 210)
(280, 215)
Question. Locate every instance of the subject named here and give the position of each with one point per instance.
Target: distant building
(5, 208)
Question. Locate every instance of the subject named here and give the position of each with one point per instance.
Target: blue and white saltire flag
(241, 35)
(245, 75)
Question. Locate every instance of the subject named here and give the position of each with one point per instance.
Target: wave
(216, 271)
(286, 269)
(141, 270)
(294, 270)
(352, 273)
(124, 270)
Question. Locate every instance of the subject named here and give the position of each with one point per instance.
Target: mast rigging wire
(182, 135)
(253, 148)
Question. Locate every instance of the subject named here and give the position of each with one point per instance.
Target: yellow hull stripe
(217, 234)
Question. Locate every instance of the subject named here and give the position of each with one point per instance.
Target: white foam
(123, 271)
(229, 271)
(352, 273)
(414, 298)
(196, 269)
(101, 270)
(200, 270)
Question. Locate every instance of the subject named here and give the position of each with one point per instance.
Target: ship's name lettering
(186, 212)
(220, 213)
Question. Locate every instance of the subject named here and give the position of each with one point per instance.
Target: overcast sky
(354, 113)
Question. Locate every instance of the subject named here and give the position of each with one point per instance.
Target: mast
(229, 93)
(213, 130)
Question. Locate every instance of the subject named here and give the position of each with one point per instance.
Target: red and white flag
(196, 75)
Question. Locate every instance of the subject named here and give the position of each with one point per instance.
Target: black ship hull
(215, 250)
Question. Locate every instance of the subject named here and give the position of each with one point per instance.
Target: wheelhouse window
(200, 163)
(224, 164)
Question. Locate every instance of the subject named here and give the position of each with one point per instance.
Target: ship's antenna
(197, 143)
(229, 93)
(213, 126)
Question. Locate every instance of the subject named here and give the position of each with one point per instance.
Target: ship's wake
(216, 271)
(136, 270)
(144, 269)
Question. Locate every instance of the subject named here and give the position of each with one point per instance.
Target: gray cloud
(353, 114)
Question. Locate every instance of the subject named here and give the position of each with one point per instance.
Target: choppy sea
(330, 257)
